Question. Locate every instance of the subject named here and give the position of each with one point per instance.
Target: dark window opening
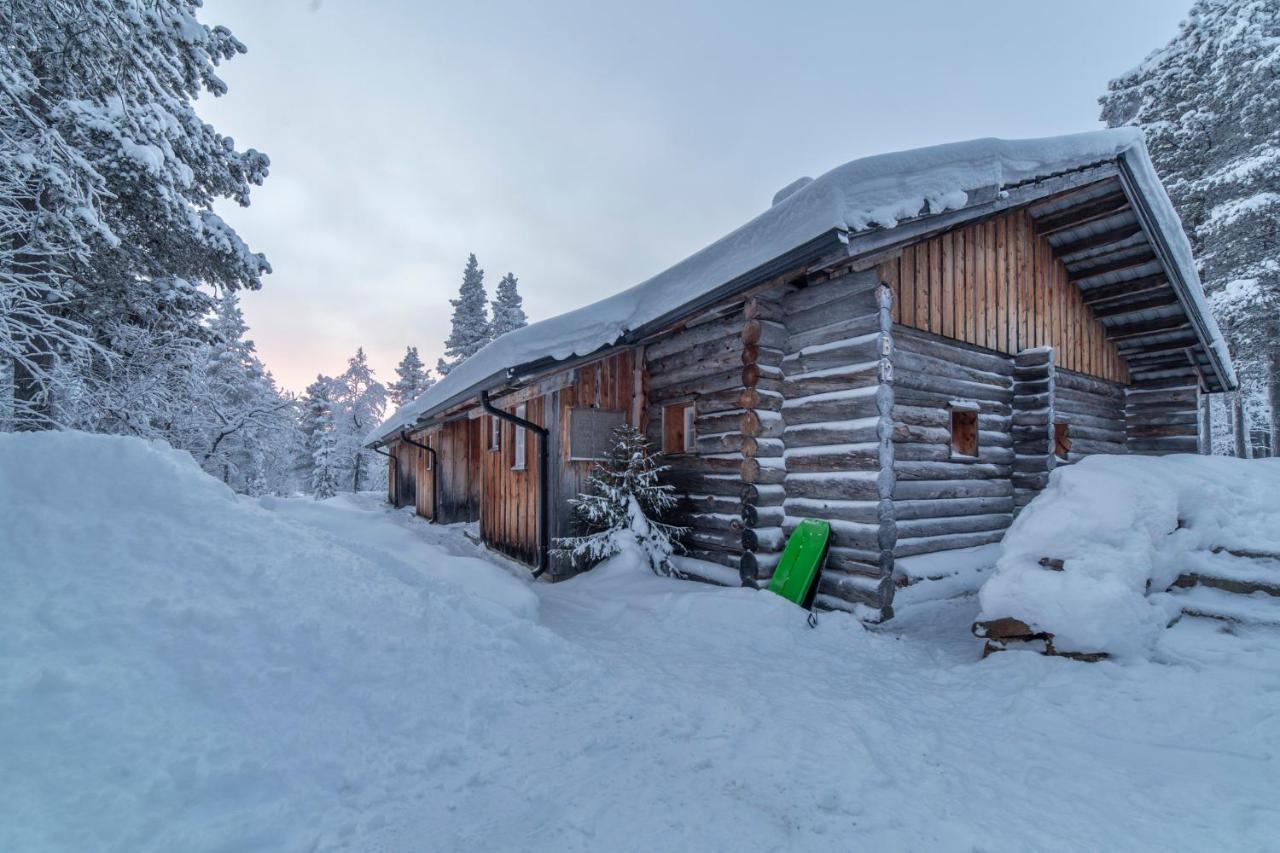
(964, 432)
(1061, 440)
(678, 434)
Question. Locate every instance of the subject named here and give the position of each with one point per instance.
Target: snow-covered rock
(1125, 527)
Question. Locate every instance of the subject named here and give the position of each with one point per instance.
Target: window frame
(495, 434)
(688, 427)
(1062, 439)
(964, 410)
(520, 446)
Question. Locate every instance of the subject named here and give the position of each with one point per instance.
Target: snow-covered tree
(411, 378)
(358, 400)
(508, 307)
(108, 179)
(326, 457)
(471, 329)
(1209, 103)
(624, 507)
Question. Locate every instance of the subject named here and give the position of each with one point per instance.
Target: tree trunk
(1273, 393)
(1206, 425)
(1237, 425)
(33, 401)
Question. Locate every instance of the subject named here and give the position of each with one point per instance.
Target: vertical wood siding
(996, 285)
(509, 496)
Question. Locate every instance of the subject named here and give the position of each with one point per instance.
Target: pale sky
(587, 146)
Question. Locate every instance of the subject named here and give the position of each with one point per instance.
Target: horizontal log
(838, 329)
(839, 379)
(906, 339)
(833, 487)
(945, 526)
(695, 370)
(865, 512)
(838, 432)
(830, 291)
(911, 490)
(825, 410)
(911, 547)
(948, 470)
(856, 458)
(725, 349)
(953, 389)
(905, 511)
(905, 359)
(696, 386)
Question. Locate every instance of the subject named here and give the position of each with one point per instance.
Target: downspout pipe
(435, 474)
(544, 474)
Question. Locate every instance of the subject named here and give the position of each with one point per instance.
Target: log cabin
(905, 347)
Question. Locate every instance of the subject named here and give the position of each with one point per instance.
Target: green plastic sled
(796, 577)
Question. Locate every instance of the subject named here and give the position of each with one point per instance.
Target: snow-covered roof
(871, 192)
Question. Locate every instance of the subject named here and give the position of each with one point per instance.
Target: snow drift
(186, 669)
(1126, 527)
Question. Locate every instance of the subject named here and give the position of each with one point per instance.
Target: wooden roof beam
(1132, 287)
(1099, 208)
(1159, 299)
(1115, 266)
(1148, 327)
(1094, 241)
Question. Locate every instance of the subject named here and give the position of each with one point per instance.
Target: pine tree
(508, 307)
(360, 400)
(110, 177)
(471, 329)
(411, 378)
(316, 402)
(624, 507)
(1208, 105)
(325, 458)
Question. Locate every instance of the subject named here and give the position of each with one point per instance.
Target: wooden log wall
(763, 344)
(1033, 423)
(997, 285)
(614, 382)
(704, 361)
(1093, 411)
(833, 423)
(1162, 420)
(942, 502)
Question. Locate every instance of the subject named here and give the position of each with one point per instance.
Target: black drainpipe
(543, 474)
(435, 477)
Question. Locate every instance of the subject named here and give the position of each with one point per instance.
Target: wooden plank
(906, 294)
(1002, 281)
(948, 286)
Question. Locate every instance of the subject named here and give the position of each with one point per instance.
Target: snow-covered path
(189, 670)
(719, 719)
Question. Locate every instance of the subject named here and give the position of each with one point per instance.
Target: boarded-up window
(964, 430)
(678, 435)
(519, 463)
(1061, 440)
(591, 432)
(495, 433)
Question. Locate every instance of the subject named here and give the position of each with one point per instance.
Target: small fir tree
(508, 307)
(411, 378)
(361, 400)
(325, 459)
(470, 326)
(624, 507)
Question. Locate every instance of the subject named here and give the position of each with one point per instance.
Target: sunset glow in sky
(587, 146)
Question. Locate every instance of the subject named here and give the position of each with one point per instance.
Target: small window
(519, 463)
(1061, 440)
(591, 432)
(964, 430)
(678, 434)
(495, 433)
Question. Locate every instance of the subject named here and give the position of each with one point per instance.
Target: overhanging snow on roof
(869, 193)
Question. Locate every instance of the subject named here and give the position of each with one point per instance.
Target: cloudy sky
(586, 146)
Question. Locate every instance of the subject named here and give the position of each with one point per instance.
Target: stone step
(1207, 602)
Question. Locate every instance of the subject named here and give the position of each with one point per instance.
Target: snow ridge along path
(190, 670)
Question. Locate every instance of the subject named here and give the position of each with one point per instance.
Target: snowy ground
(188, 670)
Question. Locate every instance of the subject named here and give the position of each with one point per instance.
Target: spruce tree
(411, 378)
(624, 507)
(108, 181)
(470, 326)
(360, 400)
(508, 307)
(1209, 107)
(325, 458)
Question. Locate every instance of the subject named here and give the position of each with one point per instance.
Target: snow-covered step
(1255, 609)
(1231, 573)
